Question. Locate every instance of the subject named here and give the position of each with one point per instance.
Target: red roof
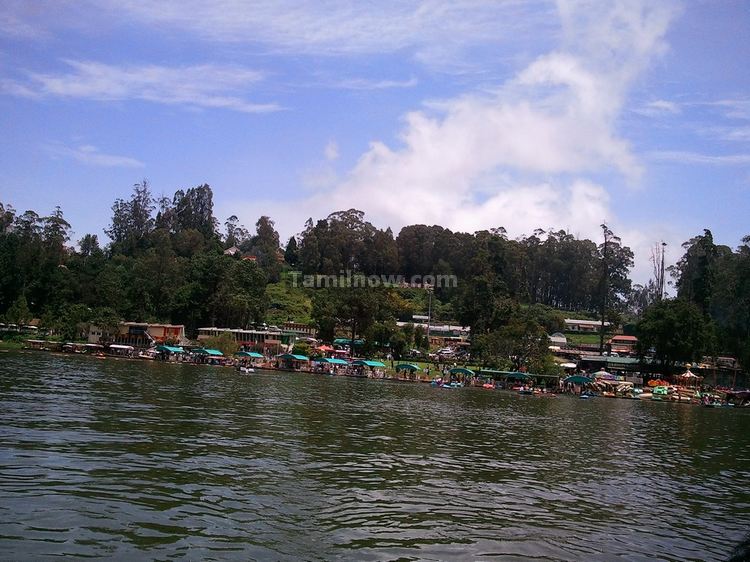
(623, 339)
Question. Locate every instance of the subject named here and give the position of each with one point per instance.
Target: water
(129, 460)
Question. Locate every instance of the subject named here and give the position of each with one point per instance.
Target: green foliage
(291, 253)
(301, 348)
(18, 313)
(224, 342)
(676, 330)
(288, 303)
(357, 308)
(165, 262)
(399, 344)
(521, 343)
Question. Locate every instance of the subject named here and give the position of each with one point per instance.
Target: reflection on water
(127, 459)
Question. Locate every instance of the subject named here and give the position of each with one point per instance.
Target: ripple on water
(124, 459)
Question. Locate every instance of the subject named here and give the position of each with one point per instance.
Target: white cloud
(90, 155)
(16, 28)
(542, 132)
(734, 108)
(741, 134)
(335, 27)
(687, 157)
(658, 108)
(331, 151)
(207, 85)
(368, 84)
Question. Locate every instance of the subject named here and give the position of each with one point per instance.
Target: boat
(149, 354)
(247, 370)
(453, 384)
(659, 393)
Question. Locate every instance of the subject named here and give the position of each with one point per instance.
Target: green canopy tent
(291, 361)
(250, 354)
(330, 360)
(517, 375)
(347, 341)
(461, 371)
(407, 367)
(368, 363)
(169, 349)
(292, 357)
(577, 379)
(211, 352)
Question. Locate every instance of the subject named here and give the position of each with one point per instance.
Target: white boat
(247, 370)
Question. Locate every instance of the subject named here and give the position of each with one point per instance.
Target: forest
(166, 260)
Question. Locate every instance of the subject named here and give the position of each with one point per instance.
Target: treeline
(166, 261)
(710, 315)
(552, 268)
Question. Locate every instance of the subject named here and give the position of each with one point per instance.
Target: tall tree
(132, 221)
(676, 331)
(696, 270)
(194, 210)
(265, 246)
(291, 253)
(614, 286)
(236, 234)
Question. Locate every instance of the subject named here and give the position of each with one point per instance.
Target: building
(300, 330)
(584, 326)
(272, 340)
(558, 340)
(441, 333)
(140, 334)
(623, 345)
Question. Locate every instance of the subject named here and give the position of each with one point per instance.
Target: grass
(287, 302)
(575, 338)
(11, 344)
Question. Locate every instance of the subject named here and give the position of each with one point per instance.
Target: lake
(132, 459)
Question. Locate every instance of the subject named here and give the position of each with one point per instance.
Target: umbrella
(407, 367)
(578, 379)
(461, 371)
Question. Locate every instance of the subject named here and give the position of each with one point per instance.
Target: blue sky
(470, 114)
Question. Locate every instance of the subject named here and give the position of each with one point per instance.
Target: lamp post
(661, 276)
(429, 318)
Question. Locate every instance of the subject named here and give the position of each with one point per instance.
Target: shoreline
(475, 383)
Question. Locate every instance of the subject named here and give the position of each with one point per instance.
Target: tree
(132, 222)
(194, 210)
(616, 262)
(105, 318)
(7, 216)
(265, 245)
(56, 228)
(520, 344)
(89, 245)
(239, 296)
(676, 331)
(224, 342)
(291, 253)
(301, 348)
(18, 313)
(236, 234)
(696, 270)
